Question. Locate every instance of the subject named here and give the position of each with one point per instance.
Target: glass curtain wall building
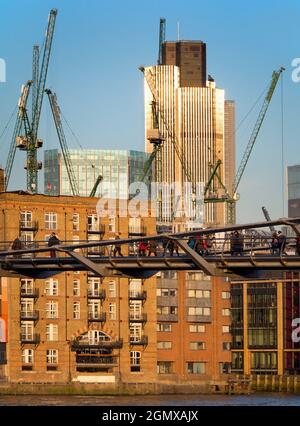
(119, 169)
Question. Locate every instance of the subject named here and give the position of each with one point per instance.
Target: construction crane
(250, 145)
(29, 142)
(267, 216)
(33, 165)
(22, 119)
(62, 140)
(162, 39)
(96, 184)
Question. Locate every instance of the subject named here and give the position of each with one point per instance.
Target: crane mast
(62, 140)
(162, 39)
(21, 117)
(253, 137)
(33, 165)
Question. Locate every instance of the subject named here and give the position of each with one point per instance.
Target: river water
(257, 399)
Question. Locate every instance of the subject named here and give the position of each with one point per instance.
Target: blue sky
(99, 45)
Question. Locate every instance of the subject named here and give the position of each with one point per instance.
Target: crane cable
(252, 108)
(282, 148)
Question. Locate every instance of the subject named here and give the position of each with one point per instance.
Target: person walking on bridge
(17, 245)
(281, 242)
(152, 247)
(53, 241)
(117, 247)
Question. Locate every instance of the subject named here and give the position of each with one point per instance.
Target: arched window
(93, 337)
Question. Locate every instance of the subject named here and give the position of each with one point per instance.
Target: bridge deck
(41, 267)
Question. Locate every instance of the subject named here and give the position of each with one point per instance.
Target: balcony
(137, 317)
(97, 317)
(139, 231)
(95, 362)
(136, 340)
(100, 344)
(96, 228)
(29, 292)
(30, 338)
(29, 315)
(167, 317)
(96, 294)
(29, 225)
(137, 295)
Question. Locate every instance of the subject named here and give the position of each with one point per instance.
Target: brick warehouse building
(77, 327)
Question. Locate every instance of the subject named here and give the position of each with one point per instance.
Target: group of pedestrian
(202, 244)
(19, 244)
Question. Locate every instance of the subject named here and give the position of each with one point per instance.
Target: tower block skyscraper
(190, 114)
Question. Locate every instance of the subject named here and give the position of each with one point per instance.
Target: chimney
(2, 180)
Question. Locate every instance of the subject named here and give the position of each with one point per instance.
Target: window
(27, 356)
(112, 289)
(196, 346)
(111, 224)
(196, 310)
(27, 238)
(51, 221)
(170, 275)
(52, 356)
(225, 294)
(94, 286)
(76, 288)
(135, 331)
(52, 309)
(51, 332)
(51, 287)
(226, 312)
(195, 367)
(76, 310)
(167, 310)
(112, 311)
(94, 309)
(225, 329)
(27, 330)
(164, 327)
(96, 336)
(135, 309)
(92, 222)
(135, 287)
(199, 294)
(166, 292)
(27, 306)
(135, 361)
(196, 276)
(75, 221)
(164, 367)
(197, 328)
(134, 225)
(164, 345)
(26, 219)
(26, 286)
(226, 346)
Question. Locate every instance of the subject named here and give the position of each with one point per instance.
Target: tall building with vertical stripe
(192, 117)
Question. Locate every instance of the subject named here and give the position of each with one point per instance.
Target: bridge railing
(210, 245)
